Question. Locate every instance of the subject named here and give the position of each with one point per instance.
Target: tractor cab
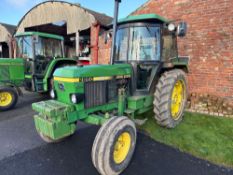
(38, 49)
(145, 42)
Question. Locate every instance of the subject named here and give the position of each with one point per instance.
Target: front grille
(4, 73)
(95, 93)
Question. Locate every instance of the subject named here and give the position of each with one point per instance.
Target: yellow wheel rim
(5, 99)
(178, 95)
(122, 147)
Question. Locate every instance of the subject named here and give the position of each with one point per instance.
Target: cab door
(144, 56)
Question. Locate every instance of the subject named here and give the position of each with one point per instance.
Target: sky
(11, 11)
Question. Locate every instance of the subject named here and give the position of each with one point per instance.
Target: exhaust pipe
(115, 21)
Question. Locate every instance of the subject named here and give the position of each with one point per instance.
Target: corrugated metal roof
(10, 28)
(6, 32)
(102, 18)
(79, 18)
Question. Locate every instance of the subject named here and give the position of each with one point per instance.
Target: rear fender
(180, 62)
(16, 88)
(56, 63)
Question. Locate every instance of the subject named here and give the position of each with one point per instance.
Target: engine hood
(93, 71)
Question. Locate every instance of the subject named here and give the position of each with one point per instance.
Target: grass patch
(203, 136)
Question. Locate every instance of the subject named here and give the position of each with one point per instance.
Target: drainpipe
(96, 46)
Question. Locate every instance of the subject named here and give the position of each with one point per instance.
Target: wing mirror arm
(182, 29)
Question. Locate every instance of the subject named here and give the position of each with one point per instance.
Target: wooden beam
(77, 49)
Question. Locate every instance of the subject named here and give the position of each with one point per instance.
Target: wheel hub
(177, 99)
(5, 98)
(122, 147)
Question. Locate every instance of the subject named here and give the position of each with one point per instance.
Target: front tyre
(8, 98)
(114, 146)
(170, 98)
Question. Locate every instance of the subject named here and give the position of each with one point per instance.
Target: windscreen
(48, 48)
(138, 44)
(24, 47)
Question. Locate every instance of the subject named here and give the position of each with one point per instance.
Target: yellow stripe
(101, 78)
(70, 80)
(122, 76)
(76, 80)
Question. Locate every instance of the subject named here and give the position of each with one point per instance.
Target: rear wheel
(170, 98)
(8, 98)
(114, 146)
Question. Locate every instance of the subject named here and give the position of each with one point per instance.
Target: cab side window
(169, 46)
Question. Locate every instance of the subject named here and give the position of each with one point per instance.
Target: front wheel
(8, 98)
(114, 146)
(170, 98)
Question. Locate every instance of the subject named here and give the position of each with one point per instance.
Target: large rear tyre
(114, 146)
(170, 98)
(8, 98)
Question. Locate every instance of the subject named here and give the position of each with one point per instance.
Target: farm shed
(6, 32)
(79, 26)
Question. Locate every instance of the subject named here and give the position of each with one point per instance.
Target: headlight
(77, 98)
(74, 98)
(52, 94)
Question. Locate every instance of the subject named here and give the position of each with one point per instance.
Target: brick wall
(104, 49)
(209, 41)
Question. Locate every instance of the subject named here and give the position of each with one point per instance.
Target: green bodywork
(143, 17)
(52, 112)
(13, 71)
(51, 68)
(60, 114)
(94, 71)
(57, 118)
(46, 35)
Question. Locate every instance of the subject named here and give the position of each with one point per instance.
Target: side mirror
(108, 36)
(182, 29)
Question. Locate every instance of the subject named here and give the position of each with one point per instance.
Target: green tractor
(146, 74)
(37, 57)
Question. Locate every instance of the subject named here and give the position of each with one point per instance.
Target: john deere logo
(61, 86)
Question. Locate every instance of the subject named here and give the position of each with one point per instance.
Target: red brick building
(209, 41)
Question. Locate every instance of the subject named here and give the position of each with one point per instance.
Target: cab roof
(46, 35)
(142, 18)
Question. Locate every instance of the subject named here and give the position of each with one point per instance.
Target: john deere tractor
(37, 56)
(146, 74)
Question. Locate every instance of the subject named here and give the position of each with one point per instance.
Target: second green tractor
(37, 55)
(146, 74)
